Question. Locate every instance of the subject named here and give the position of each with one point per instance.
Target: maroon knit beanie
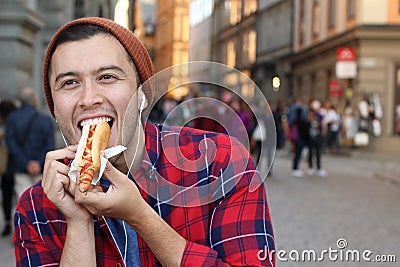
(129, 41)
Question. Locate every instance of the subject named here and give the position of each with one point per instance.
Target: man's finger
(59, 155)
(90, 198)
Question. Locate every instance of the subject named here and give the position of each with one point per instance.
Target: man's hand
(122, 200)
(59, 188)
(79, 246)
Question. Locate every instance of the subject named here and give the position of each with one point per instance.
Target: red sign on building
(346, 54)
(346, 64)
(335, 88)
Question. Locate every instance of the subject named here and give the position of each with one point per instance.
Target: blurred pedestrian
(156, 114)
(303, 138)
(279, 114)
(315, 143)
(168, 107)
(262, 150)
(7, 177)
(237, 122)
(292, 117)
(350, 124)
(29, 136)
(258, 136)
(293, 111)
(206, 115)
(333, 120)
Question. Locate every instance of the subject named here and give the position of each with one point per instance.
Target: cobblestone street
(357, 202)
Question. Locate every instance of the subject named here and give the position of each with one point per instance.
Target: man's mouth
(96, 121)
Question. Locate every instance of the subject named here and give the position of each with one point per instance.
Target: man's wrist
(143, 212)
(79, 247)
(80, 225)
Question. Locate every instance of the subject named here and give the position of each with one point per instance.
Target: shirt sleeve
(240, 231)
(241, 234)
(33, 239)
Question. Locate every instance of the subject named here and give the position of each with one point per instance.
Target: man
(92, 69)
(6, 176)
(29, 136)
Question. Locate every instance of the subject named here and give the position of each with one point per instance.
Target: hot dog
(87, 159)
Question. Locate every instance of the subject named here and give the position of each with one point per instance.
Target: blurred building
(26, 27)
(254, 37)
(274, 26)
(201, 25)
(172, 43)
(341, 50)
(347, 50)
(145, 19)
(234, 40)
(19, 27)
(172, 36)
(338, 50)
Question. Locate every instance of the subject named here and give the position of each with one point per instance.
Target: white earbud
(143, 103)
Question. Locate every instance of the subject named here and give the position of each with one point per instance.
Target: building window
(185, 28)
(316, 19)
(231, 54)
(250, 6)
(351, 9)
(331, 14)
(249, 45)
(181, 24)
(234, 8)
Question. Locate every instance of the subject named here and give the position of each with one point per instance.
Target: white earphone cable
(139, 125)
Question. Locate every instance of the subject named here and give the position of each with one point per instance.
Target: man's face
(91, 79)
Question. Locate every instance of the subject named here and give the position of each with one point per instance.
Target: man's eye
(107, 77)
(69, 83)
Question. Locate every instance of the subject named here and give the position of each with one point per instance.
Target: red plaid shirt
(233, 228)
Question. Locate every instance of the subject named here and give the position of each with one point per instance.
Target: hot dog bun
(94, 139)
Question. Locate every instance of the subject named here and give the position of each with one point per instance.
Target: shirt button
(118, 264)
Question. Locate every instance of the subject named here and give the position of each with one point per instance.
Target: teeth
(95, 121)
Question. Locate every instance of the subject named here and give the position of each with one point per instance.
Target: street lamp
(276, 83)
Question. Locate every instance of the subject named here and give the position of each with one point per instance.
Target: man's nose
(90, 95)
